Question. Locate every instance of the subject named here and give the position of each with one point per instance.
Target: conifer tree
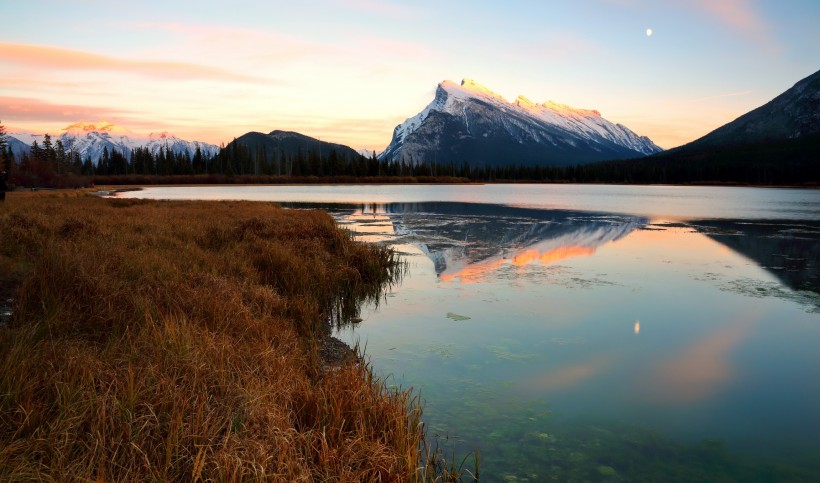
(5, 150)
(61, 160)
(3, 140)
(48, 149)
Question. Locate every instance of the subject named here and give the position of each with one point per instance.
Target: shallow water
(597, 332)
(668, 202)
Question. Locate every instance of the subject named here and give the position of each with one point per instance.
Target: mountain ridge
(91, 139)
(793, 114)
(469, 121)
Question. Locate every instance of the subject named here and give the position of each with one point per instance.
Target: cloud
(219, 40)
(57, 58)
(741, 16)
(26, 109)
(261, 49)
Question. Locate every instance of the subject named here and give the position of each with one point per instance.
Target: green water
(571, 346)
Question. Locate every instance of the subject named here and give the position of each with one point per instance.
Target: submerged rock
(335, 352)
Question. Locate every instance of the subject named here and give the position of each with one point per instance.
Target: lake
(584, 332)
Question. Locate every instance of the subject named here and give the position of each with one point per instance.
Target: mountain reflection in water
(788, 250)
(469, 242)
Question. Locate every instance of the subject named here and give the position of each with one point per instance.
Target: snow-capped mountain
(469, 122)
(18, 148)
(91, 139)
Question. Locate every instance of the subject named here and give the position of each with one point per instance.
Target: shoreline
(138, 187)
(155, 340)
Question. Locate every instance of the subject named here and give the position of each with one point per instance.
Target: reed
(179, 341)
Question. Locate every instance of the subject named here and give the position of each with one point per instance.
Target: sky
(349, 71)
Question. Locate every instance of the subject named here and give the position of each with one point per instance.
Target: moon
(649, 32)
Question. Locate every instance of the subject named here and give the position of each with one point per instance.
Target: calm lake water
(612, 333)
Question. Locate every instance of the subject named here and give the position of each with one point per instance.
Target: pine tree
(198, 163)
(5, 150)
(35, 150)
(61, 160)
(3, 141)
(48, 149)
(103, 164)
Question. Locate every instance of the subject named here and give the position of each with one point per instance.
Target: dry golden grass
(157, 341)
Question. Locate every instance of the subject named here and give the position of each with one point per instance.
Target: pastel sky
(349, 71)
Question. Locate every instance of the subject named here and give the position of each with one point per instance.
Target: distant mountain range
(89, 140)
(471, 123)
(777, 143)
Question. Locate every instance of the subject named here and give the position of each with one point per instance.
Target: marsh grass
(156, 341)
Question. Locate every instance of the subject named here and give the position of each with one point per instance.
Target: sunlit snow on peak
(481, 113)
(473, 86)
(569, 110)
(80, 128)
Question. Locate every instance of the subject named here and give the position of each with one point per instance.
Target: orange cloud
(25, 109)
(220, 40)
(742, 16)
(57, 58)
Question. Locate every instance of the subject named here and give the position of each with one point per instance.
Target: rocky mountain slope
(793, 114)
(469, 122)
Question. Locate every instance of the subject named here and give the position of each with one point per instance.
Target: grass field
(156, 341)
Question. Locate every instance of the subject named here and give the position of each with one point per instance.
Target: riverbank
(182, 341)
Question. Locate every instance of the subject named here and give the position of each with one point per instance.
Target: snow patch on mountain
(482, 113)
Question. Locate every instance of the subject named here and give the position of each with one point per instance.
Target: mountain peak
(525, 103)
(80, 128)
(470, 121)
(467, 89)
(473, 86)
(161, 135)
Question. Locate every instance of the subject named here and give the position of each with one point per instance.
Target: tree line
(50, 164)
